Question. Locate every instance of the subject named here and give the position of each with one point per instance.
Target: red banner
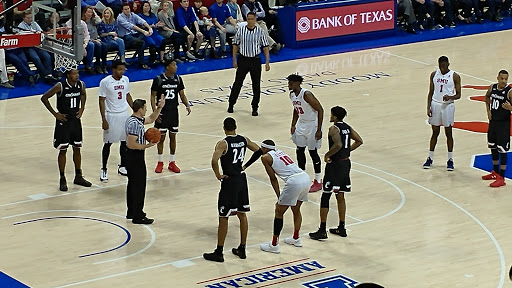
(20, 40)
(345, 20)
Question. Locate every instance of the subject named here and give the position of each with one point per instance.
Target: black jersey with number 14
(170, 87)
(498, 97)
(231, 161)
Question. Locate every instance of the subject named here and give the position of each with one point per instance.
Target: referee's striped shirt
(135, 126)
(250, 41)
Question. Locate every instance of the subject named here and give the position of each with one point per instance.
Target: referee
(136, 165)
(248, 40)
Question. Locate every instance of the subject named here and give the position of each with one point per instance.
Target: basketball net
(63, 63)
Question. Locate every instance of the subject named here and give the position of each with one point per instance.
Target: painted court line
(296, 278)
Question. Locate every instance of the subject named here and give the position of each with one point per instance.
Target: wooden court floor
(409, 227)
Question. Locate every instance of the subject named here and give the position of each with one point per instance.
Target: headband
(268, 146)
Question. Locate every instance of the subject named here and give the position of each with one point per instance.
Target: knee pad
(503, 158)
(324, 202)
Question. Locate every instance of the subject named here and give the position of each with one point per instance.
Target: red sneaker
(500, 181)
(173, 167)
(490, 176)
(159, 167)
(317, 186)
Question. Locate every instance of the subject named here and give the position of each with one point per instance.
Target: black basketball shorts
(498, 135)
(233, 196)
(337, 176)
(67, 133)
(170, 121)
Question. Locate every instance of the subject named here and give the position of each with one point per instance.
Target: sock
(342, 225)
(323, 225)
(275, 239)
(62, 174)
(318, 177)
(450, 155)
(78, 172)
(431, 155)
(496, 168)
(502, 172)
(241, 246)
(160, 158)
(171, 158)
(219, 249)
(295, 234)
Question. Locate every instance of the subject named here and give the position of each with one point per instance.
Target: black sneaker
(144, 220)
(240, 252)
(79, 180)
(338, 231)
(63, 186)
(230, 109)
(255, 112)
(214, 257)
(198, 56)
(318, 235)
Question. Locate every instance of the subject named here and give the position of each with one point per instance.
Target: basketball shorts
(233, 196)
(443, 114)
(170, 121)
(498, 135)
(66, 133)
(304, 135)
(116, 127)
(337, 177)
(296, 188)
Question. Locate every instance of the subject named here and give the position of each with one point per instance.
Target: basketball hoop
(63, 63)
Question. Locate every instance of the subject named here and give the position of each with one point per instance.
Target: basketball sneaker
(122, 171)
(268, 247)
(215, 256)
(145, 221)
(490, 176)
(295, 242)
(240, 252)
(428, 163)
(173, 167)
(79, 180)
(449, 165)
(63, 186)
(338, 231)
(103, 176)
(500, 181)
(159, 167)
(318, 235)
(317, 186)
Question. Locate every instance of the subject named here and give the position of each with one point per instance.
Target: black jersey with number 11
(68, 101)
(231, 161)
(170, 87)
(498, 97)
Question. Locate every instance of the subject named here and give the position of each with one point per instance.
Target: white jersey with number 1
(443, 85)
(115, 92)
(304, 110)
(283, 165)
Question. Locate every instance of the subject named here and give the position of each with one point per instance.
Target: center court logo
(303, 25)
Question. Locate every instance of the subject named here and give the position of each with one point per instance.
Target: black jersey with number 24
(498, 97)
(170, 87)
(231, 161)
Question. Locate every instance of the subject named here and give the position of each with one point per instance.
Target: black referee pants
(136, 189)
(247, 65)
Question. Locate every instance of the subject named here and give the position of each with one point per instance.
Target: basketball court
(408, 227)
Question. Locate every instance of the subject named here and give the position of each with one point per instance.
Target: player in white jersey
(114, 100)
(444, 90)
(294, 192)
(306, 128)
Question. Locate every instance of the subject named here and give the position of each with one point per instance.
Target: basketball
(152, 135)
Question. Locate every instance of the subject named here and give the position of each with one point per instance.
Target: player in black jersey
(170, 85)
(337, 171)
(498, 106)
(71, 98)
(233, 195)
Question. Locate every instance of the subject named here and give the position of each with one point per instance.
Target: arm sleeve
(255, 156)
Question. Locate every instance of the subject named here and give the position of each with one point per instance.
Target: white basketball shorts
(443, 114)
(295, 189)
(116, 127)
(304, 135)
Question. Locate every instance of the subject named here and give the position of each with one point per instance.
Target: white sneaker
(268, 247)
(295, 242)
(122, 171)
(103, 176)
(190, 55)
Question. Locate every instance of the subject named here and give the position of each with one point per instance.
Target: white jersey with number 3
(304, 110)
(115, 92)
(443, 85)
(283, 165)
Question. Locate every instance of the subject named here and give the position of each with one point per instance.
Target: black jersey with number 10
(68, 101)
(231, 161)
(170, 87)
(344, 152)
(498, 97)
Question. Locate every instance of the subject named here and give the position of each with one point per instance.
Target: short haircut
(168, 62)
(126, 4)
(443, 59)
(27, 13)
(203, 8)
(503, 72)
(368, 285)
(196, 1)
(269, 142)
(339, 112)
(137, 104)
(295, 78)
(251, 13)
(229, 124)
(116, 63)
(181, 1)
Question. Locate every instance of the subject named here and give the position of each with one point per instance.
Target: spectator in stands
(47, 26)
(270, 16)
(116, 5)
(88, 46)
(492, 9)
(205, 23)
(86, 3)
(92, 19)
(463, 10)
(19, 10)
(255, 6)
(424, 10)
(39, 57)
(225, 24)
(108, 34)
(235, 11)
(159, 42)
(4, 79)
(168, 30)
(448, 19)
(16, 57)
(189, 27)
(405, 8)
(133, 35)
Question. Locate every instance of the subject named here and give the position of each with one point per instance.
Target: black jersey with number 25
(170, 87)
(231, 161)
